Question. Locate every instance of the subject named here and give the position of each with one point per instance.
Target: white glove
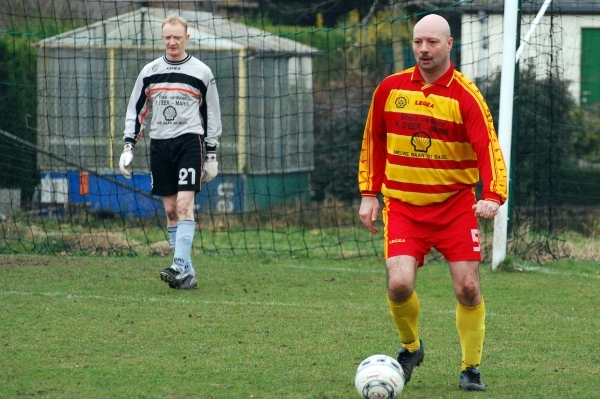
(211, 167)
(125, 161)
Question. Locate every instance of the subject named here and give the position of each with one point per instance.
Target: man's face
(174, 37)
(431, 48)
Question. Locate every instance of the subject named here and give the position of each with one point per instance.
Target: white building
(565, 42)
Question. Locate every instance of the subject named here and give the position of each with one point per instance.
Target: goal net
(295, 80)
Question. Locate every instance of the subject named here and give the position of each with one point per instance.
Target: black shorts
(176, 164)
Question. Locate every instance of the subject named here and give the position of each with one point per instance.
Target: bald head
(431, 45)
(433, 23)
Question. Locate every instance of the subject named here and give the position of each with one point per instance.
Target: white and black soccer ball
(379, 376)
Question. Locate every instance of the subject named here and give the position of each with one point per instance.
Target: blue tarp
(223, 194)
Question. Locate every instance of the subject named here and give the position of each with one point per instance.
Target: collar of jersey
(183, 61)
(443, 80)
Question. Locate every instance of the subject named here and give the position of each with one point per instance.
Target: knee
(171, 213)
(399, 288)
(183, 206)
(469, 293)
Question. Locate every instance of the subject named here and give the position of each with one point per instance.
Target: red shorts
(450, 227)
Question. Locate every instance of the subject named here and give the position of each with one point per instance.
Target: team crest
(401, 102)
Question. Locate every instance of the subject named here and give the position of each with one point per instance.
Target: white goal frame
(510, 57)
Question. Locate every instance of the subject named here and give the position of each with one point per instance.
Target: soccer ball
(379, 376)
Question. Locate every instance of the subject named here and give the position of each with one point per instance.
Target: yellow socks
(406, 316)
(470, 322)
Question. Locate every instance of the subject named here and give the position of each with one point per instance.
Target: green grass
(267, 327)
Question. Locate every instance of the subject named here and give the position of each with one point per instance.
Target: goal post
(505, 122)
(510, 60)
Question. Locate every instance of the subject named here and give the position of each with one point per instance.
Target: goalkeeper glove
(211, 167)
(125, 161)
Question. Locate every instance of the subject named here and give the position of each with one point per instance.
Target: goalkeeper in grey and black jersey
(181, 93)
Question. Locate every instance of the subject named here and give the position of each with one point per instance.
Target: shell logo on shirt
(421, 141)
(170, 113)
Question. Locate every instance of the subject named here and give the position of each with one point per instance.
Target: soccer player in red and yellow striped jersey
(429, 139)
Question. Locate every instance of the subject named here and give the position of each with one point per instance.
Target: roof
(574, 7)
(141, 29)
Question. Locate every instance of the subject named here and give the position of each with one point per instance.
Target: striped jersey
(183, 99)
(423, 143)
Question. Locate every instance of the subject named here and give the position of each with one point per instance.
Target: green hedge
(579, 187)
(18, 110)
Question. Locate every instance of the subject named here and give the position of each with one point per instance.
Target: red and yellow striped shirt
(423, 143)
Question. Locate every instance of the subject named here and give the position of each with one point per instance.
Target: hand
(369, 209)
(211, 167)
(125, 161)
(486, 209)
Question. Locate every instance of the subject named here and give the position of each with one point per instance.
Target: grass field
(266, 327)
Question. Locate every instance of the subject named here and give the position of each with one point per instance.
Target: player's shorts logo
(401, 102)
(421, 141)
(396, 241)
(169, 113)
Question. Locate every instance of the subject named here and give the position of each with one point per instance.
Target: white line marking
(544, 270)
(378, 308)
(187, 301)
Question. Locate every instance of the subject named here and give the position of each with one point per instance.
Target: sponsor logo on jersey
(401, 102)
(170, 113)
(424, 104)
(421, 141)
